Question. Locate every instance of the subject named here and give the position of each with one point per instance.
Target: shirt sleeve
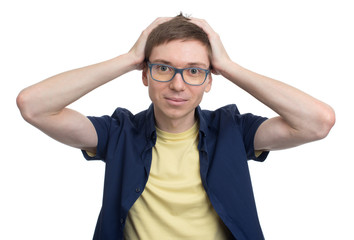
(249, 124)
(102, 126)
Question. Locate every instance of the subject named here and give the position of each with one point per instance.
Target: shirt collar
(150, 122)
(203, 126)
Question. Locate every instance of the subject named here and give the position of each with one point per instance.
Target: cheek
(198, 96)
(154, 90)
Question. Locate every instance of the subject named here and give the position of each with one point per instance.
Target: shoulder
(120, 119)
(228, 111)
(125, 119)
(225, 110)
(123, 114)
(228, 116)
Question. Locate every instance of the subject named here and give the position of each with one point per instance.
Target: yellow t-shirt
(174, 204)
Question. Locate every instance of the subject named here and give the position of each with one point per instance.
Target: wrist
(134, 61)
(127, 62)
(227, 68)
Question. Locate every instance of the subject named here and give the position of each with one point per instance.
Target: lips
(176, 100)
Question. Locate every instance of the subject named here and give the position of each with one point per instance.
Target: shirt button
(122, 220)
(137, 190)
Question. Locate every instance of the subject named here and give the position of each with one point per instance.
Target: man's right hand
(137, 51)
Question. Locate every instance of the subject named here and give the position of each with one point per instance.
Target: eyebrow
(190, 64)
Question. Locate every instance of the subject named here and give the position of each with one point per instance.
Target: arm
(44, 104)
(301, 119)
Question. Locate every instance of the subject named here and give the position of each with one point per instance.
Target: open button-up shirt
(226, 139)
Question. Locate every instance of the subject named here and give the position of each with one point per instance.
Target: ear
(208, 83)
(145, 75)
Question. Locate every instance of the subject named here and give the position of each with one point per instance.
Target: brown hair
(178, 28)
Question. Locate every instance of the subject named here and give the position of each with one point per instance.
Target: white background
(48, 191)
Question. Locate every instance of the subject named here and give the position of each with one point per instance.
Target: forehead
(181, 53)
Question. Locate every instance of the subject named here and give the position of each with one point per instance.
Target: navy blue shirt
(226, 138)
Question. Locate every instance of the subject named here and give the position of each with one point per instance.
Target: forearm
(55, 93)
(304, 114)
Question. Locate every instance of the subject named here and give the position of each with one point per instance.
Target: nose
(177, 83)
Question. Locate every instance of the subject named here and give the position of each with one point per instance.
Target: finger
(215, 72)
(139, 45)
(157, 22)
(203, 25)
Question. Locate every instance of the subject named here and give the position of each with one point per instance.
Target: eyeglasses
(164, 73)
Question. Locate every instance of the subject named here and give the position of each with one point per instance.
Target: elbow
(325, 122)
(23, 104)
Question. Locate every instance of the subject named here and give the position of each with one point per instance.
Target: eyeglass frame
(178, 70)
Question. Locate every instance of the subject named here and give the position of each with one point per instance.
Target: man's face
(176, 100)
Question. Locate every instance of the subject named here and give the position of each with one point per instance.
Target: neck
(175, 125)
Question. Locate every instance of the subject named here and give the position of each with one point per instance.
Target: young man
(175, 171)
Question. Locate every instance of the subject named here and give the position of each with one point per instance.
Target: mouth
(176, 101)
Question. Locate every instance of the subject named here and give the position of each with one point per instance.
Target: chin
(173, 113)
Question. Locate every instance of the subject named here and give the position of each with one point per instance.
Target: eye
(194, 71)
(162, 68)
